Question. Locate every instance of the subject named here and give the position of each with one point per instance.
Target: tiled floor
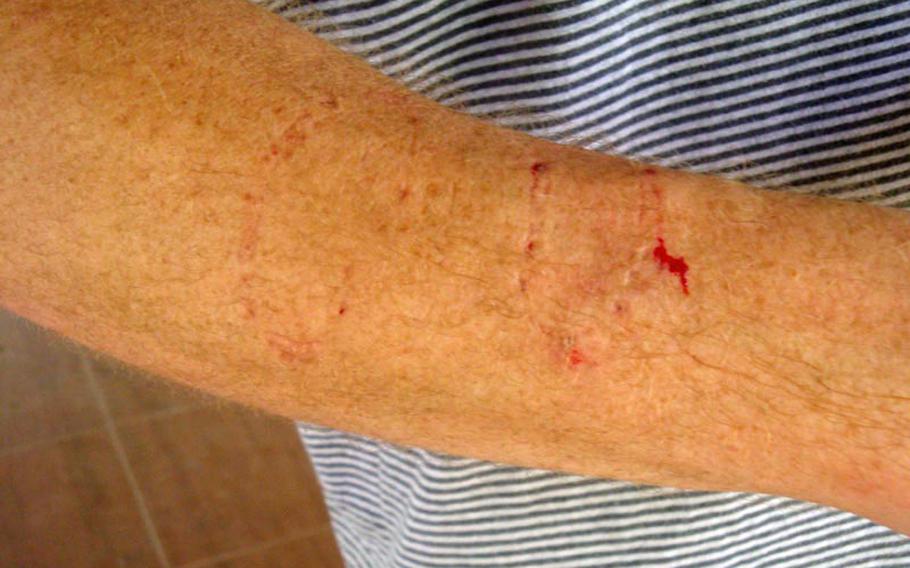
(101, 466)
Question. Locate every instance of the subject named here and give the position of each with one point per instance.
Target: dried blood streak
(675, 264)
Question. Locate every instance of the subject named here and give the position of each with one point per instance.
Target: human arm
(213, 195)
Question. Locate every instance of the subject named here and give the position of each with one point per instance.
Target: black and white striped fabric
(800, 95)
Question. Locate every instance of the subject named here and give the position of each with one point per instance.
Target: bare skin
(211, 194)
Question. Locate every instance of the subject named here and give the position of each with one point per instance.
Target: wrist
(756, 372)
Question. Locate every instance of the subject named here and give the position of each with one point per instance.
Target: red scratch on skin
(658, 208)
(576, 357)
(249, 238)
(523, 283)
(647, 183)
(249, 309)
(537, 168)
(342, 310)
(619, 308)
(403, 194)
(675, 264)
(248, 304)
(291, 350)
(292, 137)
(564, 348)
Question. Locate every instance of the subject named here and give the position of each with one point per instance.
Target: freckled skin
(440, 321)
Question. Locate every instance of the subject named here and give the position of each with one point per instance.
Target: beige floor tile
(220, 479)
(315, 551)
(69, 504)
(132, 394)
(43, 394)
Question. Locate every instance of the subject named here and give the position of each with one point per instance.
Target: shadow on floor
(103, 466)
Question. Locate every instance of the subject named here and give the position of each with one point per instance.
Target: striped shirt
(799, 95)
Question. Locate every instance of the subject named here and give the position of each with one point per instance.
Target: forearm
(222, 199)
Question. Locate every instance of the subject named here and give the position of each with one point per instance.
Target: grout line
(247, 550)
(50, 441)
(151, 416)
(151, 531)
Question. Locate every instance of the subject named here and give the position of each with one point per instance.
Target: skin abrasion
(535, 190)
(564, 283)
(292, 350)
(650, 213)
(576, 357)
(563, 345)
(294, 135)
(291, 137)
(249, 240)
(651, 191)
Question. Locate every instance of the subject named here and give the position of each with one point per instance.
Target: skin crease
(225, 200)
